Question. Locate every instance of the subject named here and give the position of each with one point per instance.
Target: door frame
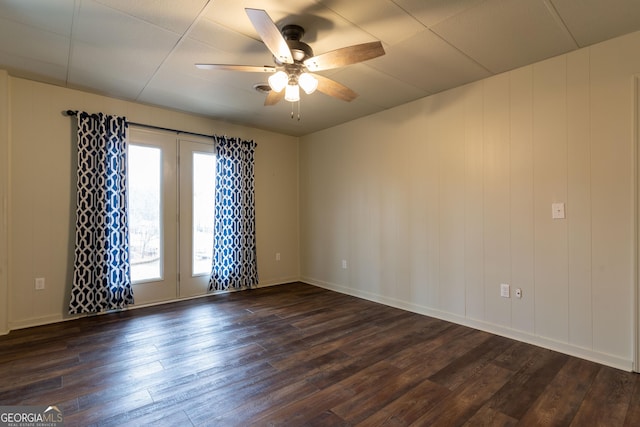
(636, 223)
(178, 256)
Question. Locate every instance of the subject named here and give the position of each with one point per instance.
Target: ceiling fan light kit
(294, 60)
(308, 83)
(278, 81)
(292, 93)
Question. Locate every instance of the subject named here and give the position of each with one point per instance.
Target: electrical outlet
(40, 283)
(277, 256)
(344, 263)
(504, 290)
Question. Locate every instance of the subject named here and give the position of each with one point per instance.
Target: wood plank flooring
(299, 355)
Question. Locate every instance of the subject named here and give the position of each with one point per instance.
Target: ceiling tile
(318, 111)
(34, 69)
(179, 82)
(382, 19)
(231, 14)
(115, 53)
(591, 21)
(503, 35)
(198, 96)
(34, 46)
(225, 40)
(52, 16)
(377, 88)
(429, 63)
(102, 26)
(431, 12)
(162, 13)
(119, 75)
(325, 30)
(181, 64)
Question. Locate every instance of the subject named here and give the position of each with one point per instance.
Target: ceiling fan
(295, 61)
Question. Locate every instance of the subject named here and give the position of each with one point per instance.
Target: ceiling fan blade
(270, 35)
(345, 56)
(247, 68)
(274, 97)
(335, 89)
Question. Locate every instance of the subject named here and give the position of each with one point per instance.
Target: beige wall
(435, 203)
(42, 194)
(432, 204)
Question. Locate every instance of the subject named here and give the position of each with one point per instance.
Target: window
(145, 231)
(203, 179)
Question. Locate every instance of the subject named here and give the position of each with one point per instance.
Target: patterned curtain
(102, 273)
(234, 251)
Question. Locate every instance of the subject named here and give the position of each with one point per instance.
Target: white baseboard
(46, 320)
(38, 321)
(278, 281)
(540, 341)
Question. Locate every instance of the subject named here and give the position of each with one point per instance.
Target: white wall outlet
(518, 293)
(504, 290)
(277, 256)
(344, 263)
(39, 283)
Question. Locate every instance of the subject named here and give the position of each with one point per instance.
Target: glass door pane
(203, 192)
(153, 215)
(145, 219)
(197, 193)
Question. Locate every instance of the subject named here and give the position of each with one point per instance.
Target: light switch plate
(557, 211)
(504, 290)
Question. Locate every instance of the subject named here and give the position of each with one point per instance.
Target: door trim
(636, 223)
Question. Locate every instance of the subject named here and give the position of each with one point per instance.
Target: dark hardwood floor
(302, 356)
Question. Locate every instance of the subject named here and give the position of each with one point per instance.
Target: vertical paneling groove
(611, 202)
(474, 203)
(522, 221)
(432, 184)
(451, 205)
(579, 200)
(549, 136)
(496, 193)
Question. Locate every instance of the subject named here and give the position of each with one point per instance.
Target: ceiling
(145, 50)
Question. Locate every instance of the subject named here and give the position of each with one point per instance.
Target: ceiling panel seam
(175, 46)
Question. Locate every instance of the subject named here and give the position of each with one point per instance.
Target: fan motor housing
(300, 50)
(292, 32)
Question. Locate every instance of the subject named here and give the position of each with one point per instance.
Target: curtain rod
(75, 113)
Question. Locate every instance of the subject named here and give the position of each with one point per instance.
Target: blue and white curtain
(102, 273)
(234, 240)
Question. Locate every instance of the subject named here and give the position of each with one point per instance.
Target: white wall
(41, 208)
(435, 203)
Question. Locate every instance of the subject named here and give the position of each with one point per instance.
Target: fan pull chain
(292, 115)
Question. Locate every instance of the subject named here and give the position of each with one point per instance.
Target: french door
(197, 195)
(171, 199)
